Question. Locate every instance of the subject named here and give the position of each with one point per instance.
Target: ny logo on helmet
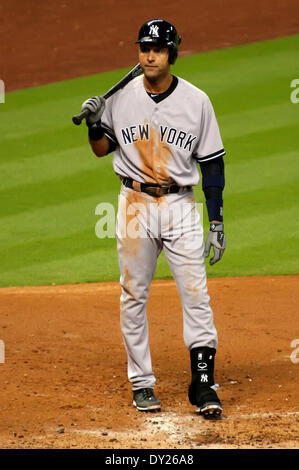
(154, 30)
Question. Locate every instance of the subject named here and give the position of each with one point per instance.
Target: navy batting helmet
(160, 33)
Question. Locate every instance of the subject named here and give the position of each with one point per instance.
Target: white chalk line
(268, 415)
(174, 428)
(163, 428)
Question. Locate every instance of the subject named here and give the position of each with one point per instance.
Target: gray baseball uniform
(161, 142)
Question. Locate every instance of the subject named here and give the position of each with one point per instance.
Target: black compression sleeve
(213, 182)
(213, 192)
(213, 173)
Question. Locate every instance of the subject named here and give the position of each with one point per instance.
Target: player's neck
(159, 85)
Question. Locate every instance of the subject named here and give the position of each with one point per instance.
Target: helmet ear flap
(174, 49)
(173, 53)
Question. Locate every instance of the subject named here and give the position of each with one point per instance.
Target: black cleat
(145, 400)
(206, 400)
(210, 410)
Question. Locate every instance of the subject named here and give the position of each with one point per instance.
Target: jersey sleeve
(210, 143)
(107, 123)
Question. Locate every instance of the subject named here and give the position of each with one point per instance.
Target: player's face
(154, 61)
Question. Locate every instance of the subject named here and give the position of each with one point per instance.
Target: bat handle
(79, 117)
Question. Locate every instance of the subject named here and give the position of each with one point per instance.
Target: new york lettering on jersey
(172, 136)
(161, 141)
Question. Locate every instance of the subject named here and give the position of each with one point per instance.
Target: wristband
(96, 132)
(215, 209)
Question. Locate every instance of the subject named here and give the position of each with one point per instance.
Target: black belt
(155, 190)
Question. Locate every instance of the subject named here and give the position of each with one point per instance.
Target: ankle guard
(202, 368)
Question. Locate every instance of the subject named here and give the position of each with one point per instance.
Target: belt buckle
(155, 191)
(136, 186)
(152, 191)
(161, 191)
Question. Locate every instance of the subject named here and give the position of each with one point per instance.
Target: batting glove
(96, 106)
(215, 239)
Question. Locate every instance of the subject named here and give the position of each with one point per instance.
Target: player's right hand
(96, 106)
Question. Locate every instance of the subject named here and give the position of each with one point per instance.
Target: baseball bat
(137, 70)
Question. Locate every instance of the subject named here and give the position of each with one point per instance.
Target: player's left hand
(215, 239)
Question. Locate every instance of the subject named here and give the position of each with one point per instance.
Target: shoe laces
(147, 393)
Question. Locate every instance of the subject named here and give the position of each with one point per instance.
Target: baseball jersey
(162, 142)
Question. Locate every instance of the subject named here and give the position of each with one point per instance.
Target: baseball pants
(145, 226)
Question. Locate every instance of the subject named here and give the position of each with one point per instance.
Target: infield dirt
(63, 382)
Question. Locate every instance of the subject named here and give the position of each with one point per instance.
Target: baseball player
(161, 129)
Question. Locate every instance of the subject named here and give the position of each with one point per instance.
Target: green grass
(51, 183)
